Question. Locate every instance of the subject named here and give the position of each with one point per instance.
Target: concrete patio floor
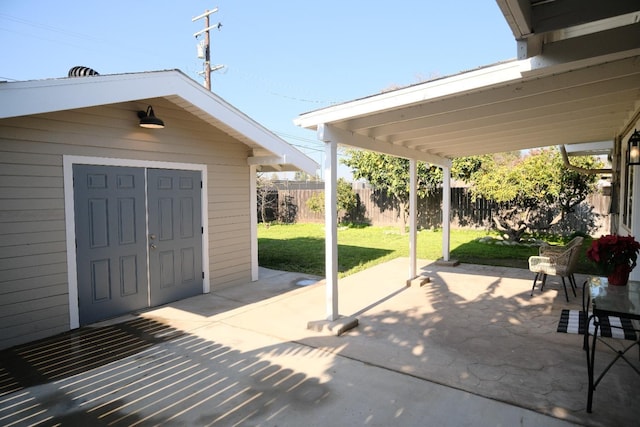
(470, 348)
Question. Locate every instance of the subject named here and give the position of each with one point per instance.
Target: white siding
(33, 273)
(634, 199)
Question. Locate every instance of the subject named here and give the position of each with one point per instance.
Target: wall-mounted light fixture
(633, 149)
(149, 120)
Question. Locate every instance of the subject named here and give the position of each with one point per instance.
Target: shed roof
(270, 152)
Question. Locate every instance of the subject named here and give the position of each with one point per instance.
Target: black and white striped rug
(572, 322)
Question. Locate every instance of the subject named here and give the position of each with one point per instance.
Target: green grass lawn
(300, 248)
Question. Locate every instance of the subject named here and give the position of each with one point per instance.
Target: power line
(124, 50)
(299, 138)
(318, 150)
(48, 27)
(269, 87)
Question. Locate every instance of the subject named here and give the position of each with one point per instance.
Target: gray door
(175, 234)
(111, 243)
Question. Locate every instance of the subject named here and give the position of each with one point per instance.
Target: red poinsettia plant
(614, 253)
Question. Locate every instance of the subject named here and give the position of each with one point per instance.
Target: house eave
(51, 95)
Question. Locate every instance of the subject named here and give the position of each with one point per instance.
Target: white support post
(413, 209)
(253, 208)
(446, 212)
(334, 323)
(331, 228)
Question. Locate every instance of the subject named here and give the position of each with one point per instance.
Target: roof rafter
(331, 133)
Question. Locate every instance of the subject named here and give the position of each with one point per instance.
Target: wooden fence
(592, 216)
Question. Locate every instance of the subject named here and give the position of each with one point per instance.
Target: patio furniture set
(600, 301)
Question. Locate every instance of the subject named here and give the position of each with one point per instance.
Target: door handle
(152, 236)
(152, 246)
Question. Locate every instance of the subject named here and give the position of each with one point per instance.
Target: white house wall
(34, 296)
(635, 197)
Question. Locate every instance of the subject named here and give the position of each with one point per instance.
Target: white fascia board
(517, 13)
(331, 133)
(240, 122)
(43, 96)
(453, 85)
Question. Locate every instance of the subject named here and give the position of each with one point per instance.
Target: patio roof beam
(329, 133)
(505, 113)
(594, 128)
(267, 160)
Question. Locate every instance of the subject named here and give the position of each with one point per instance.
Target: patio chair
(545, 247)
(549, 250)
(556, 261)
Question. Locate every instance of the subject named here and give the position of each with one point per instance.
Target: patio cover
(576, 81)
(503, 107)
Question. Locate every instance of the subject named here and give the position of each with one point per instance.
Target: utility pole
(207, 43)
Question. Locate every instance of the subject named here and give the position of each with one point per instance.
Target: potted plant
(615, 256)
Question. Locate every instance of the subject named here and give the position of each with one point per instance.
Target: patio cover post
(253, 207)
(446, 212)
(330, 224)
(413, 202)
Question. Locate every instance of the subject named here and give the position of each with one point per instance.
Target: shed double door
(138, 238)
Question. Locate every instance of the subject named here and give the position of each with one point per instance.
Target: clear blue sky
(281, 58)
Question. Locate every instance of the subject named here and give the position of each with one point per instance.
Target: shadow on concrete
(469, 329)
(493, 343)
(145, 372)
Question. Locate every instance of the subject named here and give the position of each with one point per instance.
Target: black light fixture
(149, 120)
(633, 149)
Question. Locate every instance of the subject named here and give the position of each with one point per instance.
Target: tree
(389, 175)
(315, 203)
(267, 198)
(346, 199)
(534, 192)
(303, 176)
(576, 186)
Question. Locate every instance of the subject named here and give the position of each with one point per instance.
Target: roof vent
(82, 72)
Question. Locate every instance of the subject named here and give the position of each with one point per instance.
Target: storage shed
(100, 217)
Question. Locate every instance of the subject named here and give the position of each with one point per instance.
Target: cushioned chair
(557, 261)
(547, 250)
